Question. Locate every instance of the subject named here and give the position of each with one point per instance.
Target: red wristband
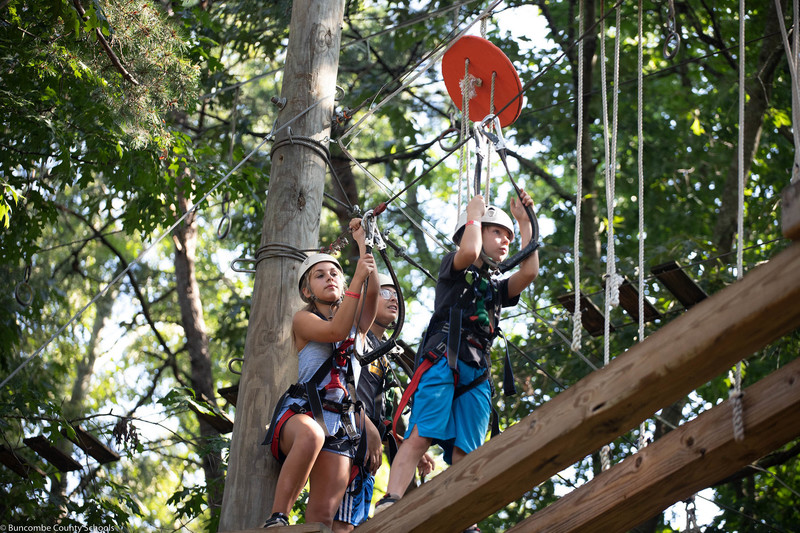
(352, 294)
(473, 223)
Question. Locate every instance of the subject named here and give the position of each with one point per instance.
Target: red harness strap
(424, 365)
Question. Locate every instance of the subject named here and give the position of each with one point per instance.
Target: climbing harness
(313, 402)
(475, 328)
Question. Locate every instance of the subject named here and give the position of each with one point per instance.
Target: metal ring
(443, 135)
(231, 361)
(224, 227)
(672, 37)
(23, 294)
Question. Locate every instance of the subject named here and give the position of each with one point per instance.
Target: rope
(640, 167)
(378, 182)
(577, 315)
(736, 394)
(467, 86)
(794, 65)
(488, 146)
(147, 250)
(613, 280)
(605, 459)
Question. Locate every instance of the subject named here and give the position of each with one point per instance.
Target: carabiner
(495, 138)
(372, 236)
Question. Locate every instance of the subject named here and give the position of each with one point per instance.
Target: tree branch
(107, 47)
(538, 171)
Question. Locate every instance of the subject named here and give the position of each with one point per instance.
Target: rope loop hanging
(736, 394)
(577, 314)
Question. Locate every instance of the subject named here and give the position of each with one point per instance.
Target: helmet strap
(490, 266)
(391, 325)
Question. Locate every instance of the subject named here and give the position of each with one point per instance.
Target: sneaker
(385, 502)
(277, 520)
(472, 529)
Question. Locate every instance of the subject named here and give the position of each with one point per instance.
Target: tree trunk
(194, 328)
(292, 217)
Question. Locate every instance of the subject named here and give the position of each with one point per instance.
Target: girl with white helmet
(451, 387)
(320, 444)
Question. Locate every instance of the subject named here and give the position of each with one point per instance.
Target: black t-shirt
(481, 301)
(371, 382)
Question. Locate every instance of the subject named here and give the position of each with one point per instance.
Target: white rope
(577, 322)
(613, 280)
(794, 65)
(736, 394)
(463, 153)
(640, 167)
(489, 149)
(605, 457)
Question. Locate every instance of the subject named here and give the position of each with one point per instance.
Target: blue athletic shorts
(462, 421)
(355, 505)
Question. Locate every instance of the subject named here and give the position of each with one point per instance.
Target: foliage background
(94, 167)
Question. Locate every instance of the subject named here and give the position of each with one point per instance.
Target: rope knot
(614, 281)
(468, 84)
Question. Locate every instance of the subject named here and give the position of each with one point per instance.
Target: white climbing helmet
(385, 279)
(492, 215)
(309, 262)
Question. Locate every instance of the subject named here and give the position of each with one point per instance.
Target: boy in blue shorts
(452, 401)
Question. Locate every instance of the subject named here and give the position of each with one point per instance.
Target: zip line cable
(158, 239)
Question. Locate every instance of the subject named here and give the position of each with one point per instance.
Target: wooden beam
(679, 283)
(592, 318)
(92, 445)
(54, 456)
(686, 353)
(790, 211)
(17, 463)
(686, 460)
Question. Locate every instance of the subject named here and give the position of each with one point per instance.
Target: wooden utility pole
(294, 203)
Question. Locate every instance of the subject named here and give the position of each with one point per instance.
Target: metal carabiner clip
(495, 138)
(372, 236)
